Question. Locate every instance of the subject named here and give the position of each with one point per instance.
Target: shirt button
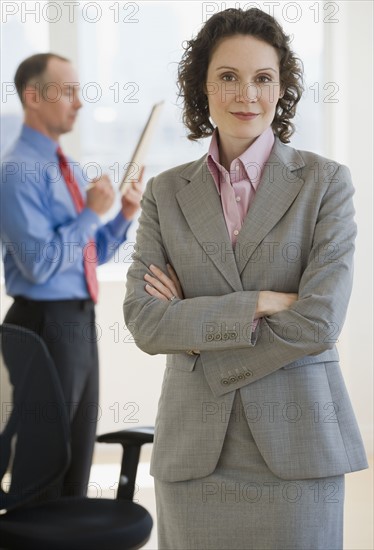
(236, 232)
(237, 199)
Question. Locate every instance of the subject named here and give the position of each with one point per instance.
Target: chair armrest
(132, 436)
(131, 441)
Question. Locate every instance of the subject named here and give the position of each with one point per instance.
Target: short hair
(193, 68)
(32, 68)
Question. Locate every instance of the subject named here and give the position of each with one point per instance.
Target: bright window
(24, 32)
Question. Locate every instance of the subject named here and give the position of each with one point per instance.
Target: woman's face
(242, 88)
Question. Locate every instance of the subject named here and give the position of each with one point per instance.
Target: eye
(228, 77)
(264, 78)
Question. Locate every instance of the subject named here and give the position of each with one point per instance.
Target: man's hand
(162, 286)
(100, 195)
(131, 199)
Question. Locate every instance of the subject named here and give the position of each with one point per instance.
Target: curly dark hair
(193, 68)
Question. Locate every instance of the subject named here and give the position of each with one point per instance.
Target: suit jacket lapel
(278, 188)
(201, 206)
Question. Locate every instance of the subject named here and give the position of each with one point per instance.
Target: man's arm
(111, 235)
(40, 248)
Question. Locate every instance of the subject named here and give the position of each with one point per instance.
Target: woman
(255, 430)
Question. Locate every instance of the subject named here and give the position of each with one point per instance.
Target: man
(53, 237)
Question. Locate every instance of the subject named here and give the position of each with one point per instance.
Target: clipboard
(138, 156)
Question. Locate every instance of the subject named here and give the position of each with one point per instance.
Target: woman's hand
(273, 302)
(166, 287)
(162, 286)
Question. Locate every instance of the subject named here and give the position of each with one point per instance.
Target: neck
(34, 123)
(230, 149)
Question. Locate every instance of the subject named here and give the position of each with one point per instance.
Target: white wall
(130, 380)
(349, 56)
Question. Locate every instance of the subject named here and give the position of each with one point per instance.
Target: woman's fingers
(168, 290)
(167, 287)
(153, 292)
(175, 280)
(163, 278)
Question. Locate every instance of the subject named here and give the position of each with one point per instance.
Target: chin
(249, 136)
(66, 129)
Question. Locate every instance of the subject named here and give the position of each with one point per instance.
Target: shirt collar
(252, 161)
(39, 141)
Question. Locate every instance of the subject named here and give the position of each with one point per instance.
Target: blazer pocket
(181, 361)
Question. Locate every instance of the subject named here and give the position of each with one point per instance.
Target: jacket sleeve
(180, 325)
(314, 322)
(312, 325)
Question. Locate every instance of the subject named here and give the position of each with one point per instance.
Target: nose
(249, 93)
(77, 102)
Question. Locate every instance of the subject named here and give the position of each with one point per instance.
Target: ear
(31, 96)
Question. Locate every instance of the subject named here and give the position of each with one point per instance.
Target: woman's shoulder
(312, 167)
(305, 157)
(180, 173)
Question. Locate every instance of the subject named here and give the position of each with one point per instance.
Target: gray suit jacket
(298, 236)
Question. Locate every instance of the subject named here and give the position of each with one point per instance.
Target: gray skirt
(243, 505)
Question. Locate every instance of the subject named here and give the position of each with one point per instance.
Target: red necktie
(89, 263)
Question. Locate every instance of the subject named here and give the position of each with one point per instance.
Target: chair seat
(77, 524)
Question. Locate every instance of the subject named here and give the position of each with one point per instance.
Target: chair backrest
(34, 441)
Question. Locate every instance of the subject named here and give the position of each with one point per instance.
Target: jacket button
(225, 336)
(209, 337)
(233, 379)
(240, 376)
(217, 336)
(248, 373)
(225, 382)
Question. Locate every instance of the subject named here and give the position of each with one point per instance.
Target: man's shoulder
(19, 151)
(21, 163)
(12, 152)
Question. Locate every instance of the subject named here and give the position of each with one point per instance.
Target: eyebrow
(235, 69)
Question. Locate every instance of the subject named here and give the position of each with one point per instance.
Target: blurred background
(126, 55)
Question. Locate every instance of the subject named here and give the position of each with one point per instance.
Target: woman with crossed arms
(255, 429)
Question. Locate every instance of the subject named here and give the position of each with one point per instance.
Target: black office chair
(38, 414)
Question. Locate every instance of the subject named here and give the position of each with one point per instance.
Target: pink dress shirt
(237, 188)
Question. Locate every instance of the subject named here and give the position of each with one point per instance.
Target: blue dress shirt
(42, 234)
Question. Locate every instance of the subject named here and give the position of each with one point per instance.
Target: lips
(245, 116)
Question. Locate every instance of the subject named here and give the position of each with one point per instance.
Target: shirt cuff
(90, 220)
(119, 226)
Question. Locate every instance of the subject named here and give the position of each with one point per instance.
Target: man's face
(57, 102)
